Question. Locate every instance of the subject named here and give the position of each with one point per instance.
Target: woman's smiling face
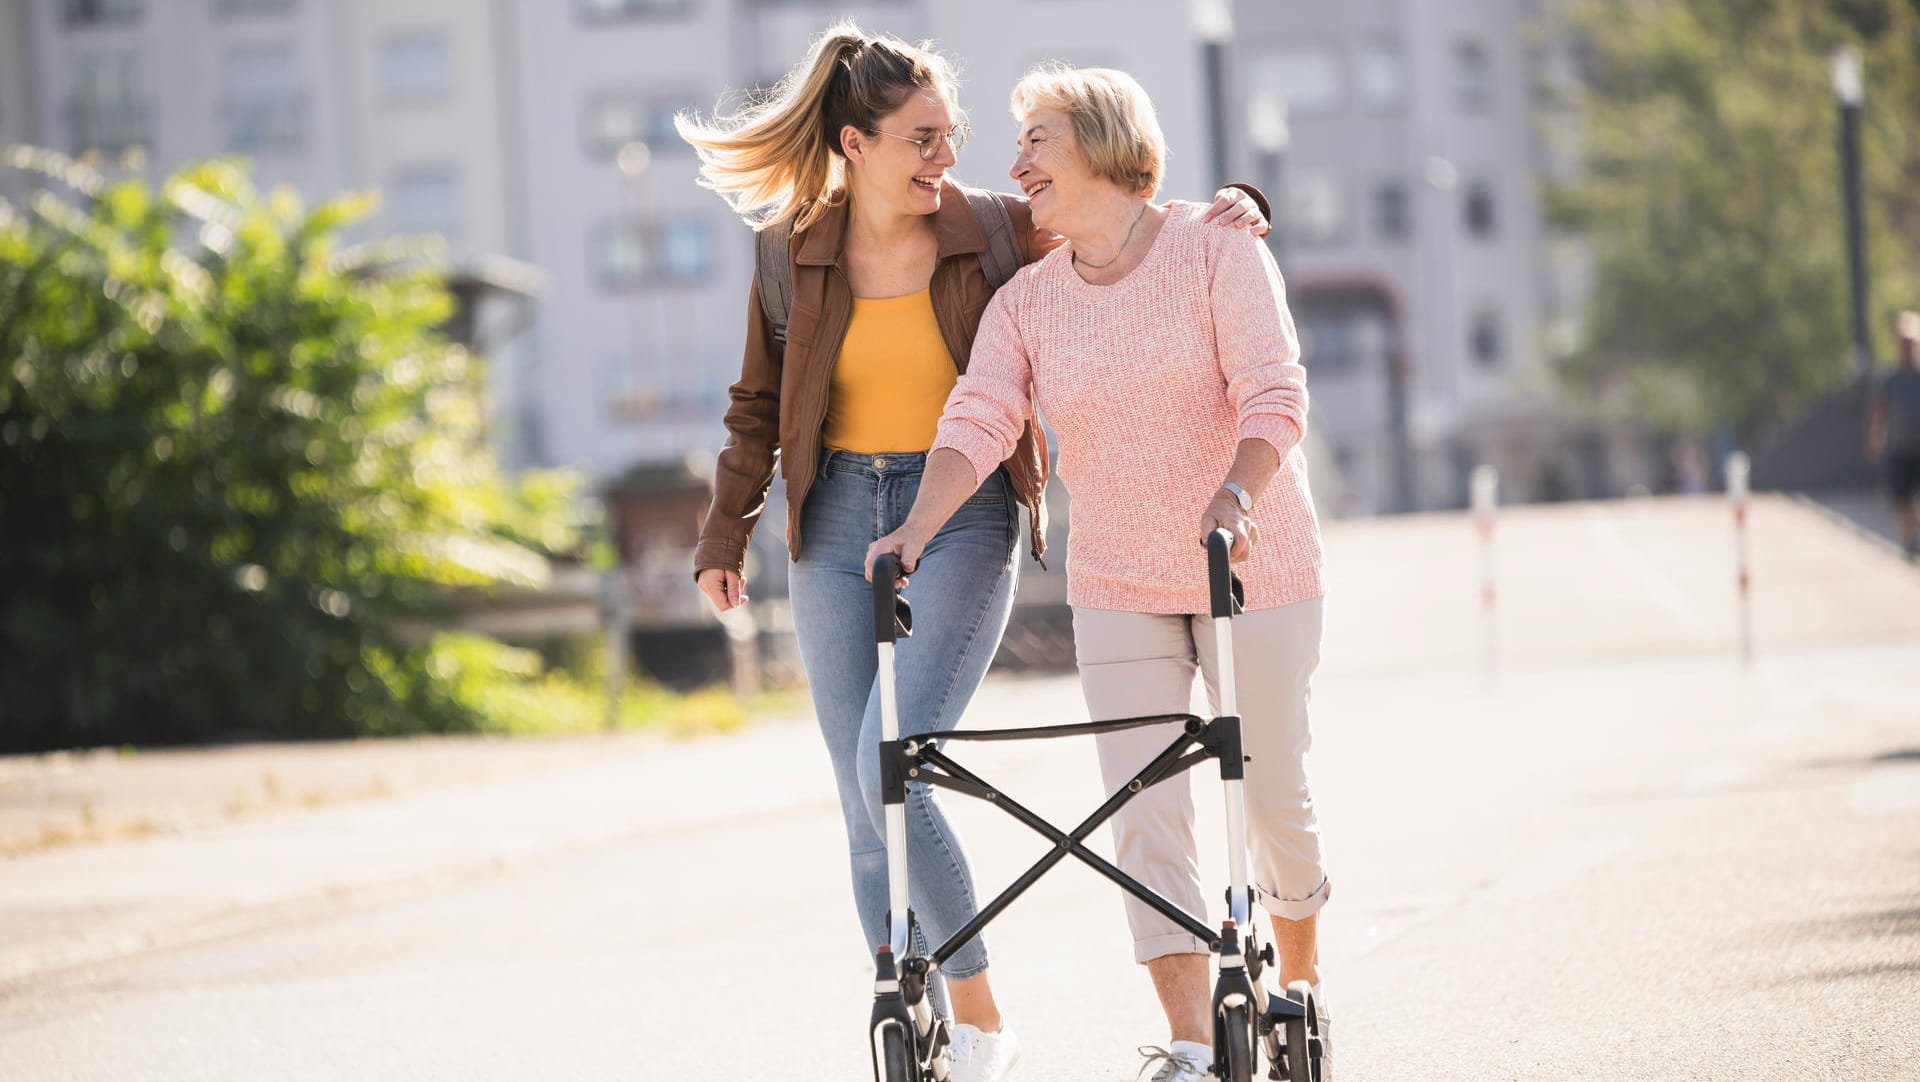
(890, 164)
(1048, 164)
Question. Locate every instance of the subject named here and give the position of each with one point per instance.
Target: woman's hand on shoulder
(726, 589)
(1223, 513)
(1235, 208)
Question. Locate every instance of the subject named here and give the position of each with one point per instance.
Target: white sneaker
(1184, 1062)
(983, 1057)
(1326, 1036)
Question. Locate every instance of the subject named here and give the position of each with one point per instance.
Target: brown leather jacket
(780, 402)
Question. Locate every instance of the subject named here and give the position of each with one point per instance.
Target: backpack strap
(773, 259)
(1002, 260)
(773, 273)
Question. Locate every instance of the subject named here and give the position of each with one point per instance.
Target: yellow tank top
(891, 379)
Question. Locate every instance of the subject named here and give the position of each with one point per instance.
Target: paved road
(1626, 858)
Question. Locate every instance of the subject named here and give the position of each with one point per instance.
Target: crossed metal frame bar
(1199, 740)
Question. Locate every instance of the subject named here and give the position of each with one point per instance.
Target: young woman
(887, 287)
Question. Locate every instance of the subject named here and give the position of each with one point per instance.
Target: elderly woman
(1163, 355)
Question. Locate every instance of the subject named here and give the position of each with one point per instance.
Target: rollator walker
(911, 1044)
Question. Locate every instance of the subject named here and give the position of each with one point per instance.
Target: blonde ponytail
(780, 157)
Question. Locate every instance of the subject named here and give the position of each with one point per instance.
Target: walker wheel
(1233, 1045)
(895, 1064)
(1300, 1065)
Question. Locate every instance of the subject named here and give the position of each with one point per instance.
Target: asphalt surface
(1615, 853)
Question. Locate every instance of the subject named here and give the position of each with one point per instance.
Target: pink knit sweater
(1150, 384)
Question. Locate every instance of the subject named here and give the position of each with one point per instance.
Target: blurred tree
(240, 471)
(1712, 200)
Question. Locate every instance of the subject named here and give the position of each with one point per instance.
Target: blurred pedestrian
(1164, 357)
(862, 316)
(1893, 431)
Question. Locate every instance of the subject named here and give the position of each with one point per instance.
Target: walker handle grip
(1229, 596)
(892, 616)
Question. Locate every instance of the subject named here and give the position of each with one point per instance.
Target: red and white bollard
(1486, 495)
(1739, 468)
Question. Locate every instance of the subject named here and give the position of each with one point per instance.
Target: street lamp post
(1849, 89)
(631, 162)
(1271, 137)
(1212, 22)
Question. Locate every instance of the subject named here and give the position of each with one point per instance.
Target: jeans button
(879, 463)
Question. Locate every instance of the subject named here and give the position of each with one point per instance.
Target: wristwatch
(1240, 496)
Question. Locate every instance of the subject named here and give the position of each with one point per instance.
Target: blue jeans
(962, 594)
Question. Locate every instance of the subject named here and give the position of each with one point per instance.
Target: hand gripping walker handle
(1229, 596)
(892, 616)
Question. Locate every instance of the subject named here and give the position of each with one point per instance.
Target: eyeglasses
(955, 137)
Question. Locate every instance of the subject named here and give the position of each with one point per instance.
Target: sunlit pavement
(1614, 853)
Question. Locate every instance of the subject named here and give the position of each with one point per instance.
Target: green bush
(511, 691)
(240, 473)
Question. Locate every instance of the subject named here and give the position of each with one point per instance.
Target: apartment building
(1432, 300)
(1408, 168)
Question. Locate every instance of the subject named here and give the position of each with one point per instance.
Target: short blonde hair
(1113, 120)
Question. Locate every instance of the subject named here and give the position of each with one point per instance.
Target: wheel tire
(895, 1064)
(1236, 1044)
(1300, 1066)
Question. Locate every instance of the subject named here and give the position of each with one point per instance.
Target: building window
(611, 121)
(100, 12)
(426, 201)
(649, 254)
(262, 104)
(627, 396)
(416, 67)
(616, 11)
(1379, 75)
(105, 111)
(1308, 80)
(240, 9)
(1473, 76)
(1479, 207)
(1392, 210)
(1485, 341)
(1313, 210)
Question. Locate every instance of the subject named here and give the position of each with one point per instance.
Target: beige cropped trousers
(1137, 664)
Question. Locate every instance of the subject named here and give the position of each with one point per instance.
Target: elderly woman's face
(1049, 166)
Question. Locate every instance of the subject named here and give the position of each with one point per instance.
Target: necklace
(1122, 248)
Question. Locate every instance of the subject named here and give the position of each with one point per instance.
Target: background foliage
(241, 474)
(1713, 202)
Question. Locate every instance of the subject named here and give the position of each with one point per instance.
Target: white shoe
(1325, 1033)
(983, 1057)
(1184, 1062)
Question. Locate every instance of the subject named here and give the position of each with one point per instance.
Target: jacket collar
(954, 224)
